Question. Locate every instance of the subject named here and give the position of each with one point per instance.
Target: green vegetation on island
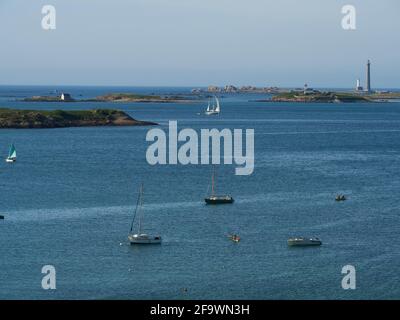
(331, 96)
(383, 95)
(25, 119)
(327, 97)
(133, 97)
(126, 96)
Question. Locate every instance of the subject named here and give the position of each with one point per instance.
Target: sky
(199, 42)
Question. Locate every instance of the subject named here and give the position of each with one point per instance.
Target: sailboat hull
(144, 239)
(219, 200)
(302, 242)
(10, 160)
(212, 113)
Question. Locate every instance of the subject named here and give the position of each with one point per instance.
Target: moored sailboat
(140, 237)
(12, 154)
(217, 199)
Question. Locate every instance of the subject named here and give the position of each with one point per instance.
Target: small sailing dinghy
(215, 199)
(12, 154)
(214, 109)
(140, 237)
(340, 197)
(234, 237)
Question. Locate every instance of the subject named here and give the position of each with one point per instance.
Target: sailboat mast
(141, 212)
(213, 182)
(136, 209)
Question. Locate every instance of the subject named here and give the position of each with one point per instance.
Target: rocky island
(133, 97)
(333, 97)
(316, 96)
(32, 119)
(64, 97)
(114, 97)
(233, 89)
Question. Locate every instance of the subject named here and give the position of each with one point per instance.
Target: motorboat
(340, 197)
(302, 242)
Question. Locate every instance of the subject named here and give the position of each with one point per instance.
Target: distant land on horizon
(274, 94)
(190, 87)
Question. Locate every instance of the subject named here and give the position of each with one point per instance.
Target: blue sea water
(69, 201)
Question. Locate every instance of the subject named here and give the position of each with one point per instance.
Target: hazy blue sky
(199, 42)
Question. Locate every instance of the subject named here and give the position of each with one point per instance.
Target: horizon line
(179, 86)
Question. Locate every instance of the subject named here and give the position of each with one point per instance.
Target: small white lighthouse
(358, 86)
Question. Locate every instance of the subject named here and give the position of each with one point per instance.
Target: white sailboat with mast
(214, 109)
(12, 154)
(140, 237)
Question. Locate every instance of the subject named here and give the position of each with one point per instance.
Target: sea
(69, 201)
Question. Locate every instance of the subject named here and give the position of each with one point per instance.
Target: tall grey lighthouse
(368, 89)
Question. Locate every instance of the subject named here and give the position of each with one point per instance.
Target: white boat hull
(211, 113)
(10, 160)
(144, 239)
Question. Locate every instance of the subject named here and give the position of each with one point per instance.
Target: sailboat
(214, 109)
(215, 199)
(234, 237)
(303, 242)
(12, 154)
(140, 237)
